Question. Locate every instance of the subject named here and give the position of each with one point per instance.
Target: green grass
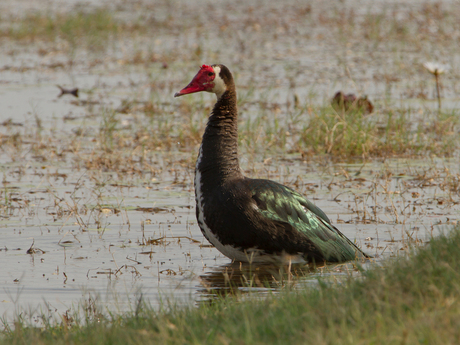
(391, 132)
(89, 29)
(405, 301)
(117, 141)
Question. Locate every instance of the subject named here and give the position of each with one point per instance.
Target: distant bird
(252, 220)
(73, 92)
(342, 102)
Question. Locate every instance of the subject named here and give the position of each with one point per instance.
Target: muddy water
(74, 228)
(142, 237)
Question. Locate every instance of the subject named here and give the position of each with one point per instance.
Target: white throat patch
(219, 85)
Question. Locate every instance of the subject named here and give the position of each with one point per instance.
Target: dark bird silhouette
(344, 103)
(73, 92)
(253, 220)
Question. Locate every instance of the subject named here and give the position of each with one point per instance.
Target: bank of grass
(406, 301)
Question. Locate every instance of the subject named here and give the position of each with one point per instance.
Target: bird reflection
(236, 279)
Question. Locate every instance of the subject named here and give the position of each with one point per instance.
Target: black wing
(282, 204)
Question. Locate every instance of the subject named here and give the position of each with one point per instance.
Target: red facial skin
(203, 81)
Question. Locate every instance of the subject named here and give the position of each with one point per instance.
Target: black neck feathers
(218, 160)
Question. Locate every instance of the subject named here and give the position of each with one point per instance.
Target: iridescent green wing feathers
(280, 203)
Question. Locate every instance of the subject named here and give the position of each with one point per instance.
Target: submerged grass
(50, 26)
(122, 139)
(390, 133)
(407, 300)
(267, 124)
(79, 28)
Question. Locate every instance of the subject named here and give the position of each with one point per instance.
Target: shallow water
(74, 228)
(143, 237)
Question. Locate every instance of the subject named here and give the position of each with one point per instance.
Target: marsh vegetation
(96, 201)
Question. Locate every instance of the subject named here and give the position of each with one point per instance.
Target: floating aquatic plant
(436, 69)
